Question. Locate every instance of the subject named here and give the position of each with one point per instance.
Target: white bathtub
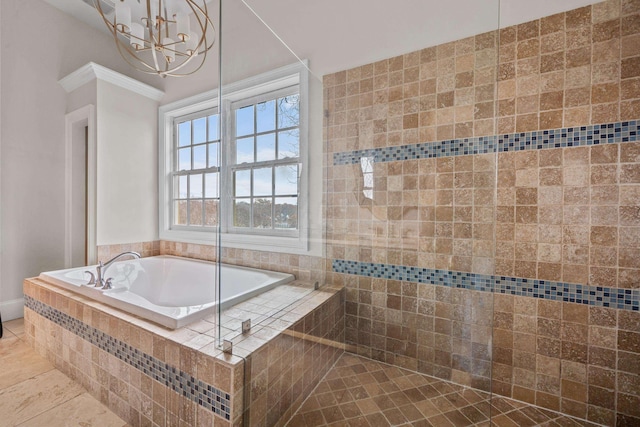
(169, 290)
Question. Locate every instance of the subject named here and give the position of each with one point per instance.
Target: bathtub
(168, 290)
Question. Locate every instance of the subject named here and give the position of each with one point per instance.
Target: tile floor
(362, 392)
(34, 394)
(356, 392)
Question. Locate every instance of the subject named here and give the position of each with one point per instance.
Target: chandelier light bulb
(137, 36)
(167, 49)
(183, 27)
(123, 17)
(192, 44)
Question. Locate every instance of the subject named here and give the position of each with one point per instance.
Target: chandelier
(161, 37)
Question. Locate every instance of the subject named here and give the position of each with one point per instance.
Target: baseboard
(13, 309)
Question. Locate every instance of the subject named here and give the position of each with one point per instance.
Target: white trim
(85, 116)
(12, 309)
(90, 71)
(294, 74)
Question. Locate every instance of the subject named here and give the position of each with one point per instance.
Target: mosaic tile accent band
(608, 133)
(625, 299)
(182, 383)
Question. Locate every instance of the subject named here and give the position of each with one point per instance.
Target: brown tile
(578, 17)
(630, 67)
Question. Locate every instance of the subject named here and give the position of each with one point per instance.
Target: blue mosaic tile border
(182, 383)
(607, 133)
(625, 299)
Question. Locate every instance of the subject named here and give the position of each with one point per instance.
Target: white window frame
(295, 74)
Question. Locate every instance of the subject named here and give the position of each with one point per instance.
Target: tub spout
(101, 269)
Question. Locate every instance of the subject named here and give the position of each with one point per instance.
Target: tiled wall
(500, 168)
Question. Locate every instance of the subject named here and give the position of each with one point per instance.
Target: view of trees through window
(197, 171)
(266, 169)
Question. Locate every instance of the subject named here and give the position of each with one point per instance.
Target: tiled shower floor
(362, 392)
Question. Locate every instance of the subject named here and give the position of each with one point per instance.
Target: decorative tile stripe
(607, 133)
(626, 299)
(182, 383)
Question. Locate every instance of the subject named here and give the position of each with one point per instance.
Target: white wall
(127, 171)
(33, 107)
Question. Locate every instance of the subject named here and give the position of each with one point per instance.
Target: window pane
(184, 159)
(180, 212)
(288, 111)
(266, 116)
(200, 157)
(244, 150)
(213, 155)
(214, 133)
(241, 213)
(195, 186)
(266, 147)
(211, 185)
(195, 212)
(200, 130)
(262, 182)
(180, 189)
(289, 144)
(184, 134)
(287, 180)
(262, 213)
(286, 213)
(242, 183)
(211, 213)
(244, 121)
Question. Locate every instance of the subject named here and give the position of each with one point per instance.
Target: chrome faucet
(101, 269)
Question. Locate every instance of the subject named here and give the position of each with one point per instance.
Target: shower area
(461, 214)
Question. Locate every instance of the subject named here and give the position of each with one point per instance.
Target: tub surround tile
(157, 378)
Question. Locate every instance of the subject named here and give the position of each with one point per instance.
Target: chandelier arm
(204, 55)
(136, 66)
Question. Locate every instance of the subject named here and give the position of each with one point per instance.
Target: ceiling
(341, 34)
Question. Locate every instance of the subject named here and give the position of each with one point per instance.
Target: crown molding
(87, 73)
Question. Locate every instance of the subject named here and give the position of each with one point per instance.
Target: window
(257, 159)
(264, 168)
(196, 170)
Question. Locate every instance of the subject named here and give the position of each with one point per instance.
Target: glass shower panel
(411, 200)
(272, 214)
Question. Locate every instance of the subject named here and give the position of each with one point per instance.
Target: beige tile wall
(304, 267)
(564, 214)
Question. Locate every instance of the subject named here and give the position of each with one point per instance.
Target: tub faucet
(101, 269)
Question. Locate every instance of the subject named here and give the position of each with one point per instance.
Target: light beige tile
(20, 363)
(16, 326)
(83, 410)
(32, 397)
